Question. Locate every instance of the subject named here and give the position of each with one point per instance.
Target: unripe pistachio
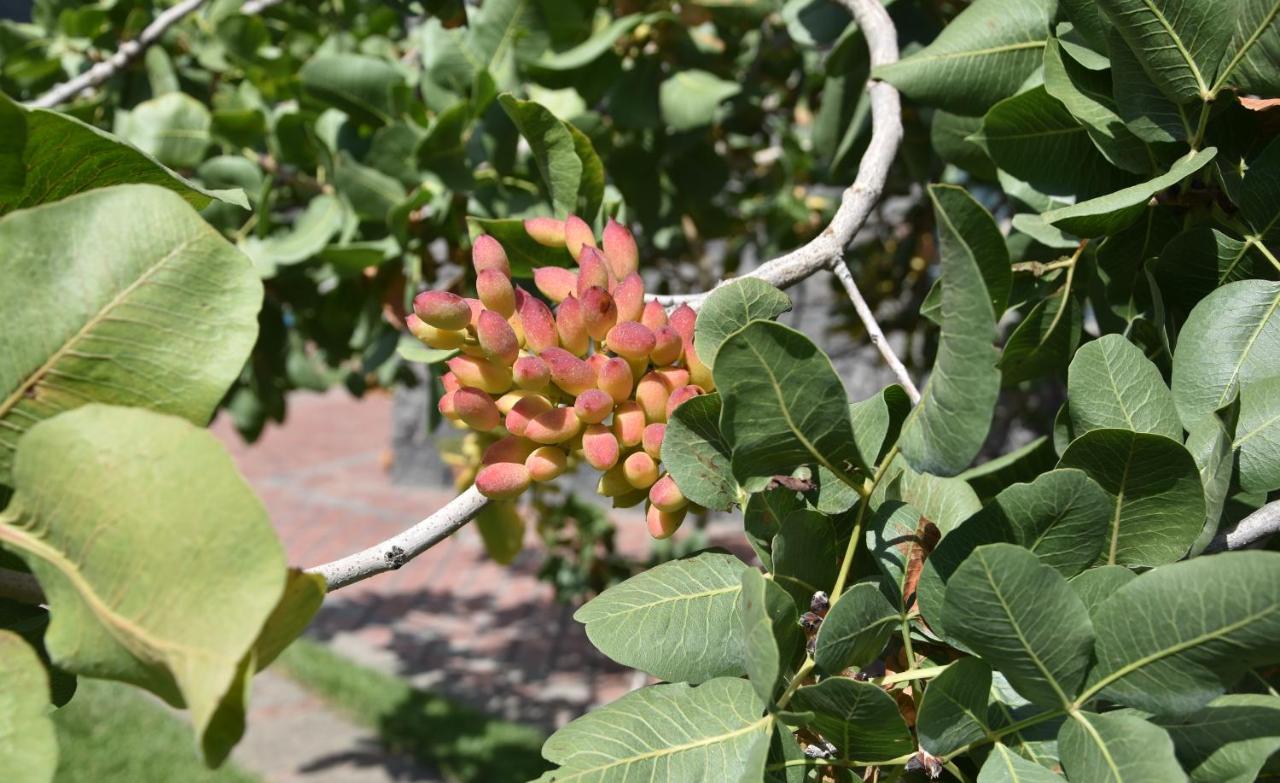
(497, 338)
(613, 483)
(508, 401)
(596, 361)
(628, 295)
(503, 480)
(577, 235)
(599, 447)
(476, 409)
(442, 309)
(554, 426)
(539, 324)
(651, 439)
(477, 307)
(630, 499)
(640, 469)
(654, 315)
(593, 406)
(446, 407)
(592, 271)
(531, 373)
(442, 339)
(667, 346)
(628, 424)
(599, 313)
(450, 382)
(680, 395)
(652, 393)
(496, 292)
(620, 248)
(512, 448)
(674, 376)
(630, 340)
(615, 379)
(569, 325)
(555, 282)
(699, 373)
(546, 463)
(525, 411)
(662, 524)
(666, 496)
(568, 371)
(487, 255)
(546, 231)
(682, 319)
(481, 373)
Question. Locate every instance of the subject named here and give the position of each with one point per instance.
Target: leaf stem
(1066, 286)
(794, 685)
(1201, 125)
(1257, 242)
(843, 763)
(923, 673)
(856, 535)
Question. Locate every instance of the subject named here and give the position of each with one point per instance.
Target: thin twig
(1253, 529)
(127, 53)
(874, 332)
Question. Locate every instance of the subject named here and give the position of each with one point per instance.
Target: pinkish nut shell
(539, 325)
(615, 379)
(597, 360)
(531, 373)
(680, 395)
(450, 382)
(487, 255)
(546, 231)
(652, 393)
(628, 295)
(442, 309)
(628, 424)
(630, 340)
(546, 463)
(445, 406)
(577, 235)
(662, 524)
(654, 315)
(503, 480)
(497, 338)
(569, 325)
(666, 496)
(496, 292)
(592, 271)
(441, 339)
(509, 449)
(554, 426)
(674, 376)
(483, 374)
(667, 346)
(598, 312)
(568, 371)
(620, 249)
(593, 406)
(600, 447)
(555, 282)
(525, 411)
(682, 319)
(477, 307)
(476, 409)
(640, 469)
(651, 439)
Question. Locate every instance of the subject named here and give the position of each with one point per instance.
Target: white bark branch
(874, 333)
(1256, 527)
(127, 53)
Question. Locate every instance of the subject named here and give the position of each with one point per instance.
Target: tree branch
(1256, 527)
(874, 333)
(127, 53)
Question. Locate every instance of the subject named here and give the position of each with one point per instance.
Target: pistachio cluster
(593, 381)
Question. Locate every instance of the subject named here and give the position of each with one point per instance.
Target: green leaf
(997, 604)
(944, 501)
(1146, 111)
(1086, 95)
(984, 55)
(442, 149)
(877, 421)
(669, 732)
(553, 150)
(46, 156)
(30, 622)
(855, 631)
(523, 252)
(732, 306)
(1229, 740)
(689, 99)
(1179, 43)
(770, 632)
(1098, 584)
(412, 350)
(169, 490)
(675, 621)
(897, 536)
(503, 36)
(1022, 464)
(1113, 385)
(762, 517)
(122, 295)
(806, 557)
(697, 456)
(364, 87)
(1114, 211)
(591, 187)
(859, 718)
(1201, 259)
(1231, 339)
(949, 136)
(28, 744)
(311, 233)
(1005, 766)
(1254, 50)
(303, 594)
(1043, 342)
(174, 129)
(946, 429)
(954, 710)
(1209, 444)
(1088, 21)
(1156, 497)
(1117, 749)
(1258, 436)
(1033, 137)
(1258, 193)
(599, 43)
(371, 193)
(1176, 637)
(783, 406)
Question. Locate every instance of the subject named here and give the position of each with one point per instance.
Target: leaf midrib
(1177, 42)
(1102, 745)
(671, 749)
(1235, 371)
(661, 601)
(1221, 81)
